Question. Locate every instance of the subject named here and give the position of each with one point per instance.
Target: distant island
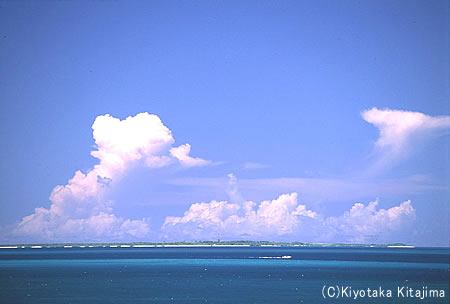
(217, 243)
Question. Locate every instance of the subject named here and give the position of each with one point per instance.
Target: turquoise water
(218, 275)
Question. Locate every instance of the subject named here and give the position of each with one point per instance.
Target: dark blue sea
(223, 275)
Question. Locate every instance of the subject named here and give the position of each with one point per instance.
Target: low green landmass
(217, 243)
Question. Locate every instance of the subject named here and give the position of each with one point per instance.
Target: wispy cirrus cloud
(181, 153)
(400, 130)
(253, 165)
(313, 190)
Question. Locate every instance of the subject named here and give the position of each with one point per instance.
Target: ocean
(224, 275)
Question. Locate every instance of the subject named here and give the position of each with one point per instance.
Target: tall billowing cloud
(398, 130)
(79, 208)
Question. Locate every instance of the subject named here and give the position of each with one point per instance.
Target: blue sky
(271, 93)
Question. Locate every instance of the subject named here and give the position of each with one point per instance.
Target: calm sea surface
(219, 275)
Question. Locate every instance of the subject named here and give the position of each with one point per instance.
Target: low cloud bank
(285, 218)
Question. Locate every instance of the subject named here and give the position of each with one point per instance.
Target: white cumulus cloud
(285, 218)
(79, 209)
(363, 223)
(120, 142)
(223, 219)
